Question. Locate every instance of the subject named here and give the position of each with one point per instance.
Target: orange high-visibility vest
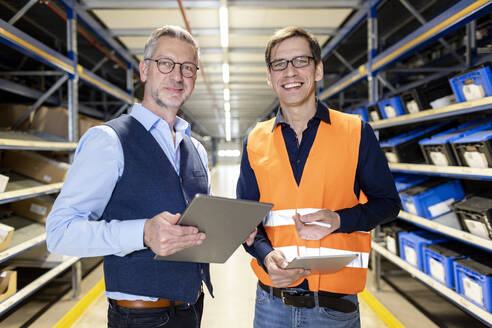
(327, 183)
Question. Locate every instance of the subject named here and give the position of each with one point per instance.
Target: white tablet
(227, 223)
(322, 263)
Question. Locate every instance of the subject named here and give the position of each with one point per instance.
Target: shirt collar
(149, 119)
(322, 113)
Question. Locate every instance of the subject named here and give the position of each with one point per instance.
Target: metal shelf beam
(35, 285)
(15, 195)
(36, 145)
(27, 45)
(432, 114)
(453, 18)
(451, 295)
(459, 172)
(448, 231)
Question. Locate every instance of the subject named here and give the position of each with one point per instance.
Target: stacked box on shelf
(411, 244)
(473, 278)
(420, 98)
(437, 149)
(392, 107)
(391, 232)
(404, 181)
(474, 150)
(405, 148)
(432, 198)
(374, 113)
(439, 258)
(475, 215)
(362, 112)
(472, 84)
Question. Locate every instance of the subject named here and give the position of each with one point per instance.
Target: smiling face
(294, 87)
(164, 92)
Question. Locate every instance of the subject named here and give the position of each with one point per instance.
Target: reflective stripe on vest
(327, 183)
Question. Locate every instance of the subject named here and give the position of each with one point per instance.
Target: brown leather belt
(160, 303)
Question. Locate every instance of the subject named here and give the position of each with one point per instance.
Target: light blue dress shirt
(74, 226)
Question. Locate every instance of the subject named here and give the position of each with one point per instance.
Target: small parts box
(420, 98)
(439, 258)
(404, 181)
(472, 85)
(475, 150)
(374, 113)
(475, 215)
(432, 198)
(392, 107)
(474, 280)
(411, 244)
(391, 231)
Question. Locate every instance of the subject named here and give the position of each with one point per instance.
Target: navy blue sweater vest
(150, 185)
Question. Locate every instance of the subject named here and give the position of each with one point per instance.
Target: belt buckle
(297, 298)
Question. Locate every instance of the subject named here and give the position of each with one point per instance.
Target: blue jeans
(182, 316)
(270, 312)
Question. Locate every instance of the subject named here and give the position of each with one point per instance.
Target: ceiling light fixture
(228, 125)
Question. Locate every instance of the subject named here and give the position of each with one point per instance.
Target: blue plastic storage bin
(473, 278)
(437, 149)
(473, 84)
(404, 181)
(439, 258)
(391, 107)
(474, 150)
(362, 112)
(432, 198)
(411, 244)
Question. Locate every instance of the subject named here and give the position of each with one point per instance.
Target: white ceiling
(251, 23)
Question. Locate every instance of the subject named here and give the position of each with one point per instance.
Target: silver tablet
(321, 264)
(227, 223)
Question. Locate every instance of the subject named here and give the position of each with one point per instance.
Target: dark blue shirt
(372, 176)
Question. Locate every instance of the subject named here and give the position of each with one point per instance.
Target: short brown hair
(290, 32)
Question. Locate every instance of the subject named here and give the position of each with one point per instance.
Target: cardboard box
(36, 209)
(8, 284)
(86, 122)
(6, 233)
(3, 182)
(35, 166)
(12, 113)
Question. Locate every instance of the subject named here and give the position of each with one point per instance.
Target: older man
(128, 178)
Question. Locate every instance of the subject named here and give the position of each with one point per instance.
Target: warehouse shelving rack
(463, 13)
(33, 234)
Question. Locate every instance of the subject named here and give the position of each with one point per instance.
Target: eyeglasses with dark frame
(166, 66)
(297, 62)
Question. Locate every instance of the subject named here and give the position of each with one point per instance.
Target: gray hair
(173, 32)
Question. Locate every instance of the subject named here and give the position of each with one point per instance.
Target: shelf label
(473, 92)
(410, 256)
(391, 244)
(476, 160)
(441, 208)
(412, 106)
(390, 111)
(439, 159)
(477, 228)
(437, 270)
(473, 290)
(391, 157)
(47, 178)
(411, 207)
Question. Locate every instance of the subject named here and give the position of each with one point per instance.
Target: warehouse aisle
(234, 282)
